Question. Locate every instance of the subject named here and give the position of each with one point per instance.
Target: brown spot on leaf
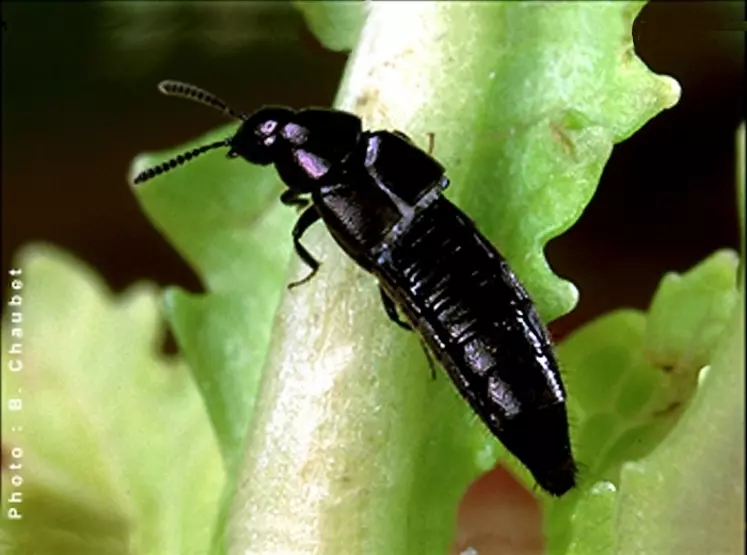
(628, 55)
(668, 410)
(399, 57)
(561, 137)
(665, 365)
(367, 97)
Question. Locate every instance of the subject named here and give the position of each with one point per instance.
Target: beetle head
(304, 145)
(257, 139)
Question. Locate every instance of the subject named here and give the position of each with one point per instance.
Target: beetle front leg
(307, 219)
(289, 197)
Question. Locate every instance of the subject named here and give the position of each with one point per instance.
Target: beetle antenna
(190, 92)
(150, 173)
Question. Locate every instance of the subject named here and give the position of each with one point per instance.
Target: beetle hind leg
(391, 310)
(429, 359)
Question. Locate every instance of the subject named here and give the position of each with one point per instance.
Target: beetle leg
(431, 142)
(402, 136)
(429, 359)
(307, 219)
(391, 310)
(289, 197)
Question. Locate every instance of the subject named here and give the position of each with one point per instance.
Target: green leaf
(688, 495)
(117, 453)
(336, 24)
(211, 211)
(688, 315)
(741, 177)
(219, 215)
(591, 523)
(631, 376)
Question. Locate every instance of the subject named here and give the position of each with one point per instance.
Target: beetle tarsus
(307, 219)
(289, 197)
(391, 310)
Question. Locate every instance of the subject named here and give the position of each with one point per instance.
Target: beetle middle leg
(305, 221)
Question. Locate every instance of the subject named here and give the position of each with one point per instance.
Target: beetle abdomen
(480, 323)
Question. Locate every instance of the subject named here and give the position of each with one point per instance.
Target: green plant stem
(333, 450)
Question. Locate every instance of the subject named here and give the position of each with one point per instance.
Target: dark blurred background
(79, 102)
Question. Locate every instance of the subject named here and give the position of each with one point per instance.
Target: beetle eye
(268, 127)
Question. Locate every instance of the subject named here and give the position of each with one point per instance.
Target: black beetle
(380, 197)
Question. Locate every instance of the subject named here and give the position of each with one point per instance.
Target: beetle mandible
(380, 197)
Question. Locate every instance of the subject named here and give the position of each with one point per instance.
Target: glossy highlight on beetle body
(380, 197)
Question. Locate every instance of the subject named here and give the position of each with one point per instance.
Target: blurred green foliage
(118, 456)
